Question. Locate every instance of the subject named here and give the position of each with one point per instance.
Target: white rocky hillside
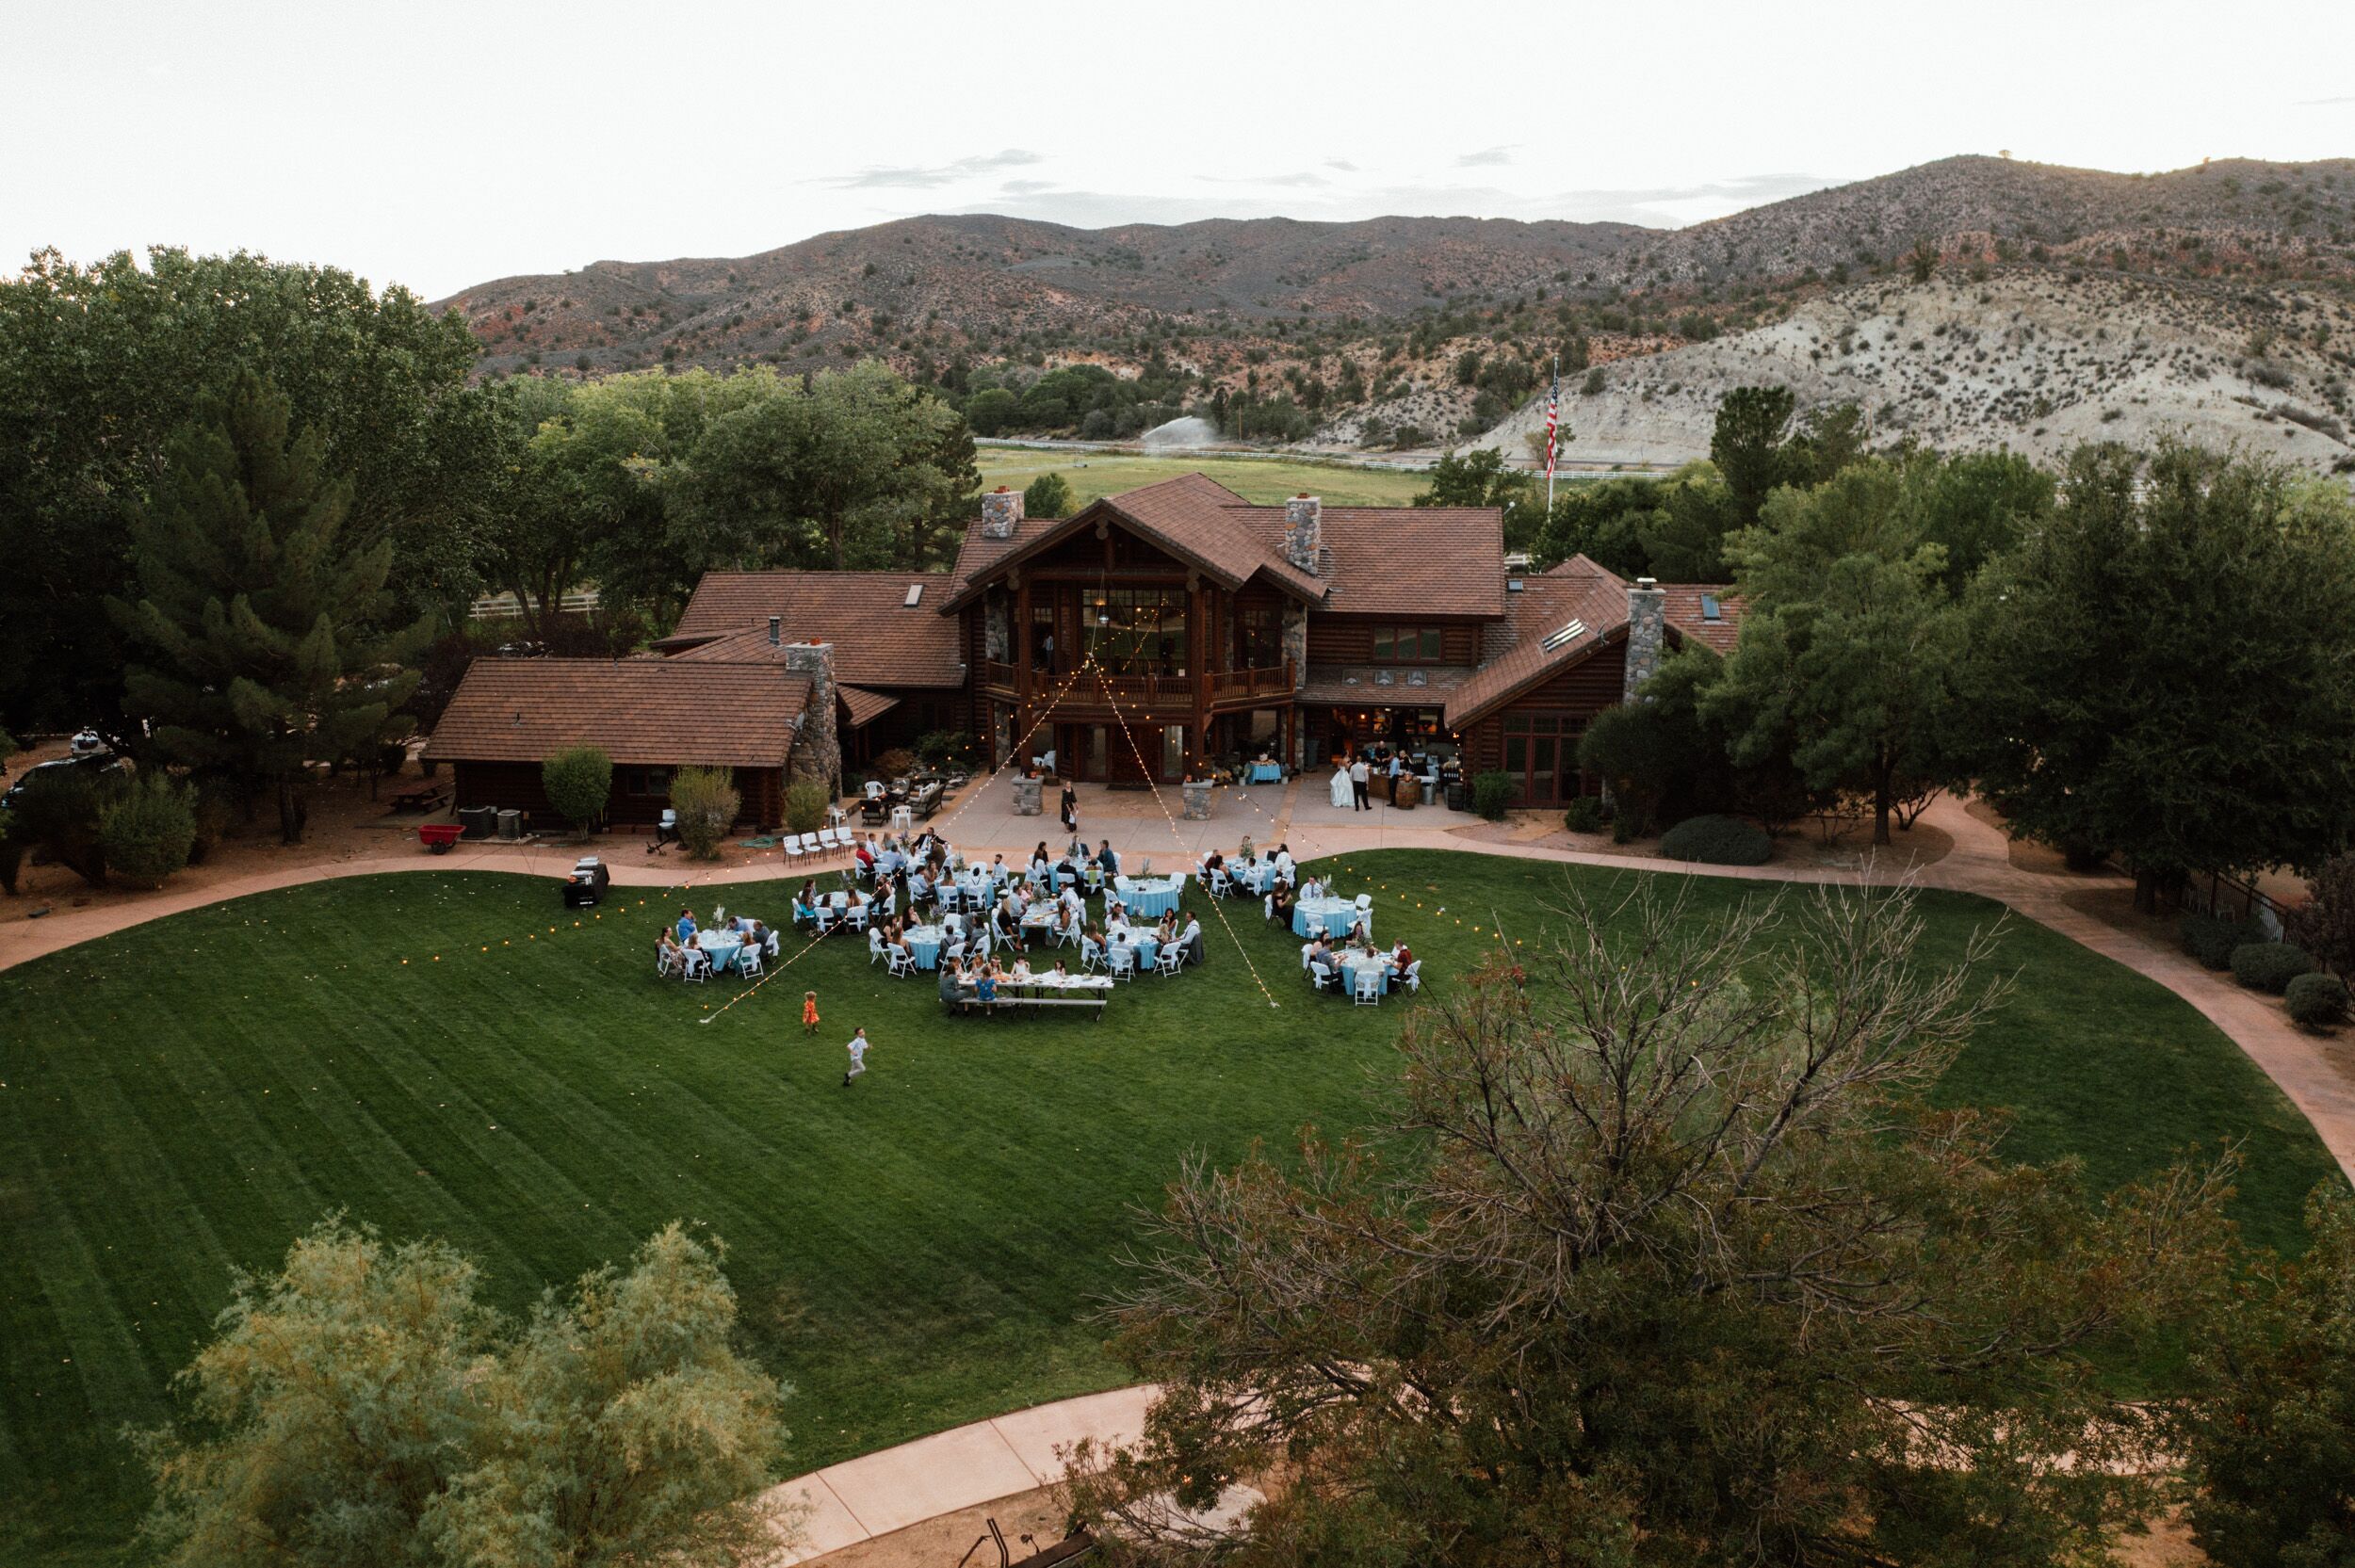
(2032, 361)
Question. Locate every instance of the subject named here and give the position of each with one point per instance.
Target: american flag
(1554, 406)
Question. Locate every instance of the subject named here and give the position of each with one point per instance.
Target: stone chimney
(776, 630)
(1303, 516)
(818, 746)
(1001, 512)
(1646, 626)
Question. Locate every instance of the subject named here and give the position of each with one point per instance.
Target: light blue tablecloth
(1147, 946)
(1152, 898)
(1256, 876)
(1349, 974)
(724, 949)
(924, 946)
(1267, 772)
(1334, 916)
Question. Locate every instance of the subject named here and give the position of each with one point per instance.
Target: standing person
(858, 1056)
(1398, 765)
(810, 1013)
(1360, 777)
(1070, 809)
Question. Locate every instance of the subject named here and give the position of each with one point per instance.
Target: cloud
(924, 177)
(2322, 103)
(1487, 157)
(1343, 163)
(1026, 188)
(1298, 177)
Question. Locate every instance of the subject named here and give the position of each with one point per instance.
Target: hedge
(1493, 792)
(1584, 816)
(2270, 966)
(1717, 841)
(2318, 1001)
(2211, 938)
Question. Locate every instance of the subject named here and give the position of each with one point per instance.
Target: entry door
(1121, 763)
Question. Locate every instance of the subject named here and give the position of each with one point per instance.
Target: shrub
(805, 804)
(944, 747)
(1492, 792)
(1717, 841)
(2211, 938)
(706, 803)
(2270, 966)
(578, 780)
(148, 829)
(57, 815)
(1049, 495)
(2324, 924)
(898, 763)
(2316, 1001)
(1584, 816)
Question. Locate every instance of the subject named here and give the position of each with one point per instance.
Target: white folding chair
(1267, 909)
(1123, 962)
(875, 948)
(748, 960)
(1365, 902)
(663, 962)
(1305, 948)
(698, 964)
(950, 954)
(1322, 974)
(792, 844)
(856, 914)
(1366, 984)
(1091, 953)
(897, 962)
(1221, 883)
(1172, 959)
(1414, 975)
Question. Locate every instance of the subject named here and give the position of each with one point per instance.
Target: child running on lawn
(858, 1058)
(810, 1013)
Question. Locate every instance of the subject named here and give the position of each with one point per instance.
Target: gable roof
(1514, 656)
(878, 639)
(1372, 560)
(637, 711)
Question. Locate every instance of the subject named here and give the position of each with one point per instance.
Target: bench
(429, 796)
(969, 1004)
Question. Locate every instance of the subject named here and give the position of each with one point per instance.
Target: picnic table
(429, 796)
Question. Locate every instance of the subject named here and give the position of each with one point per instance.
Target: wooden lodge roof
(639, 711)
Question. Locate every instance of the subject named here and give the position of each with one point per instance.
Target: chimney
(1303, 516)
(776, 630)
(1001, 511)
(817, 745)
(1646, 625)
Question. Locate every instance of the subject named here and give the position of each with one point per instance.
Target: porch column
(1021, 660)
(1198, 655)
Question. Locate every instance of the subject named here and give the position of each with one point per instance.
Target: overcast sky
(442, 145)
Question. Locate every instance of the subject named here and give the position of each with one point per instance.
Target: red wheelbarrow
(438, 836)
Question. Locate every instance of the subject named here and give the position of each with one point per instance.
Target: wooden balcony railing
(1174, 694)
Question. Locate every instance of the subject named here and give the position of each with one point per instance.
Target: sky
(439, 145)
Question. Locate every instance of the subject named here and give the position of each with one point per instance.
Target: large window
(1258, 638)
(1407, 645)
(1541, 751)
(1138, 631)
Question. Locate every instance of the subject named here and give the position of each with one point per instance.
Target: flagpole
(1553, 409)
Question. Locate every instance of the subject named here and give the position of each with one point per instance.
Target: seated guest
(864, 853)
(1243, 852)
(1401, 956)
(1059, 974)
(985, 984)
(1106, 858)
(1311, 890)
(1319, 951)
(667, 946)
(1039, 859)
(1191, 940)
(686, 925)
(1280, 907)
(1116, 912)
(1358, 937)
(1284, 862)
(1022, 970)
(952, 985)
(1214, 862)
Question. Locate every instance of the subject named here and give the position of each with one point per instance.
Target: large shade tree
(1666, 1261)
(260, 625)
(2166, 668)
(101, 363)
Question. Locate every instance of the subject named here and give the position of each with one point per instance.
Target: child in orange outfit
(810, 1013)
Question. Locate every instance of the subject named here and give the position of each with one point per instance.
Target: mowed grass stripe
(925, 1248)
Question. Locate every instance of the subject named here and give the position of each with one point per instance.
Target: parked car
(59, 768)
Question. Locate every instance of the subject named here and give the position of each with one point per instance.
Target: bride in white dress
(1342, 795)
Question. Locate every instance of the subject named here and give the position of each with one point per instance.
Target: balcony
(1175, 696)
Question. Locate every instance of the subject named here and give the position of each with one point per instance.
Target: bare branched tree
(1669, 1258)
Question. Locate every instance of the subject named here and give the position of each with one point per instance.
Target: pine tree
(261, 622)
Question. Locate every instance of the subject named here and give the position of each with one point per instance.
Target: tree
(578, 780)
(148, 829)
(2159, 670)
(992, 411)
(1747, 445)
(707, 801)
(58, 813)
(805, 804)
(1049, 495)
(1665, 1260)
(364, 1406)
(1922, 261)
(2267, 1437)
(2324, 923)
(1476, 478)
(262, 618)
(101, 364)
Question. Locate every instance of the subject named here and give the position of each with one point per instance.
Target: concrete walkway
(876, 1493)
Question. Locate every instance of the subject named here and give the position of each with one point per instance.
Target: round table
(1350, 966)
(1147, 945)
(1151, 898)
(1333, 916)
(723, 947)
(924, 946)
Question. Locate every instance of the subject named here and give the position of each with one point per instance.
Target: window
(1138, 631)
(649, 781)
(1258, 638)
(1541, 751)
(1407, 645)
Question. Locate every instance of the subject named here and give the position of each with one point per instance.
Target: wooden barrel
(1409, 792)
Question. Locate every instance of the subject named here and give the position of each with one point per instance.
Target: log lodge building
(1216, 628)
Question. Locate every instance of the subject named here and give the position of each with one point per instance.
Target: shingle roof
(865, 706)
(641, 711)
(1684, 607)
(1513, 655)
(1374, 560)
(1385, 683)
(878, 639)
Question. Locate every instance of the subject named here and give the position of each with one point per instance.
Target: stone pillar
(1001, 512)
(1027, 796)
(817, 746)
(996, 629)
(1197, 792)
(1304, 517)
(1296, 655)
(1647, 627)
(1001, 732)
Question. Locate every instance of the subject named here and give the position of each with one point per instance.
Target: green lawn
(1265, 480)
(913, 1253)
